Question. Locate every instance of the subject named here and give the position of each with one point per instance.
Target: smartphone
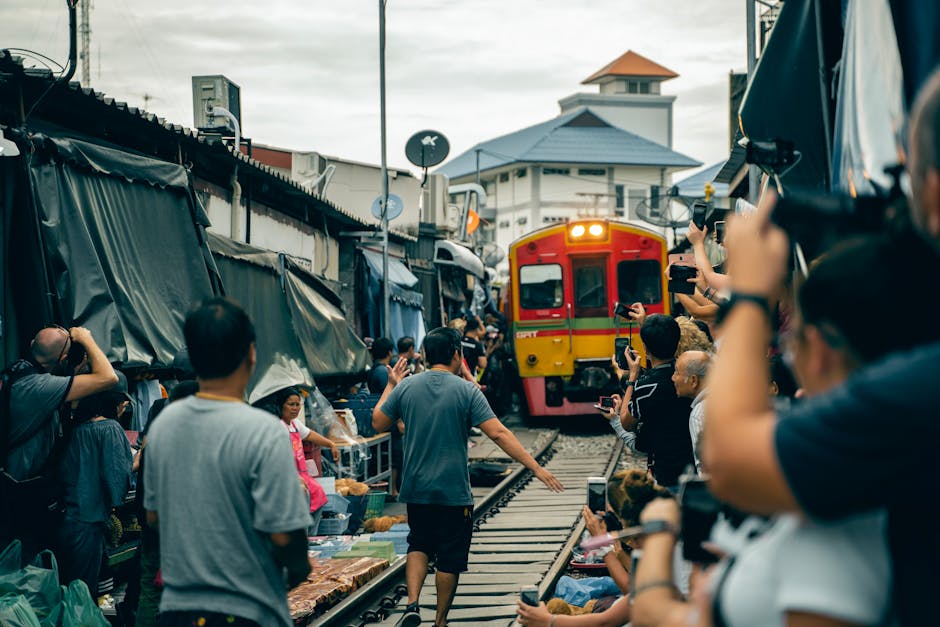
(606, 402)
(529, 595)
(678, 279)
(623, 311)
(720, 231)
(597, 494)
(621, 343)
(699, 212)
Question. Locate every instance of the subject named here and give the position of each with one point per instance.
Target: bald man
(689, 379)
(42, 384)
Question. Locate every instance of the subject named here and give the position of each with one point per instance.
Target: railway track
(523, 534)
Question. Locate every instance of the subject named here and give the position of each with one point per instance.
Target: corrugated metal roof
(14, 65)
(694, 186)
(580, 136)
(631, 64)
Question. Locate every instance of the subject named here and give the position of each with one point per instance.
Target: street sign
(427, 148)
(395, 207)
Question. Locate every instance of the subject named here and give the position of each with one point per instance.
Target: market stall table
(328, 582)
(367, 459)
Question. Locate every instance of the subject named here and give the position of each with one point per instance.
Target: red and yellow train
(565, 282)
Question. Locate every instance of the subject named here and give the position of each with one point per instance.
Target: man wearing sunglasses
(41, 386)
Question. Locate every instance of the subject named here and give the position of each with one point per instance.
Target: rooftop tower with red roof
(630, 97)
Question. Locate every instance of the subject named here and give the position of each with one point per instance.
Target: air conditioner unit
(217, 91)
(305, 164)
(434, 200)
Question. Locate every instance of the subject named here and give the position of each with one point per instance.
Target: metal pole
(385, 322)
(753, 175)
(823, 92)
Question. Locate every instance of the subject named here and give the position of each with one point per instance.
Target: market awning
(301, 328)
(124, 246)
(398, 273)
(789, 97)
(448, 253)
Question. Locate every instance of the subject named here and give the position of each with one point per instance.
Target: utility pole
(385, 322)
(84, 30)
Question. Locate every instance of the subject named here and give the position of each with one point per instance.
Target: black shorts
(442, 532)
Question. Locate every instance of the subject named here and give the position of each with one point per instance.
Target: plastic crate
(326, 551)
(375, 506)
(336, 503)
(332, 526)
(400, 527)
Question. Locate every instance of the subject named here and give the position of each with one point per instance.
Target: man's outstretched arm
(506, 440)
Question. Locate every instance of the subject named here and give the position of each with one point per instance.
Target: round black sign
(427, 149)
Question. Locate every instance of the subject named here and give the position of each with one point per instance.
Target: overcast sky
(471, 69)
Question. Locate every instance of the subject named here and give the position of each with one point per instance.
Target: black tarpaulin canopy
(789, 97)
(124, 246)
(302, 332)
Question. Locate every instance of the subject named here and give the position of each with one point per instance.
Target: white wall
(279, 233)
(650, 123)
(355, 187)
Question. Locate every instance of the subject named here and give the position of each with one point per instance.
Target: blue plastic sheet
(580, 591)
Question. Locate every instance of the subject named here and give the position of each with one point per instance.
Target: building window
(504, 224)
(618, 194)
(523, 220)
(638, 87)
(562, 171)
(553, 219)
(520, 173)
(592, 172)
(504, 177)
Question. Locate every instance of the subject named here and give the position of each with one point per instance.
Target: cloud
(471, 70)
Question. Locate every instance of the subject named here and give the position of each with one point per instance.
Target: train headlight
(596, 229)
(577, 230)
(531, 360)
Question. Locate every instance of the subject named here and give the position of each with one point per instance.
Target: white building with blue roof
(604, 155)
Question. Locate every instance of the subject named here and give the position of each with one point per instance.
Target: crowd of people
(804, 411)
(808, 419)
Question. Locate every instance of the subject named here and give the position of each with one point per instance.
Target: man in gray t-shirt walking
(222, 489)
(438, 408)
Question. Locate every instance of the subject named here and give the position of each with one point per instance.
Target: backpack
(33, 503)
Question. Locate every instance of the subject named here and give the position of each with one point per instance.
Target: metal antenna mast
(84, 29)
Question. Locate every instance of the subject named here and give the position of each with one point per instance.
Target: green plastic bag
(11, 559)
(38, 582)
(79, 609)
(16, 612)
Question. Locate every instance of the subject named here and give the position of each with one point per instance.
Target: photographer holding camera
(810, 461)
(797, 571)
(37, 412)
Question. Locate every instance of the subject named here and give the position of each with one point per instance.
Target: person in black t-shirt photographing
(811, 459)
(651, 407)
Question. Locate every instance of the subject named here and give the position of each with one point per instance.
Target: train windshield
(590, 286)
(540, 287)
(639, 281)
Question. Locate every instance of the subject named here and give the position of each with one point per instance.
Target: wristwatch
(659, 526)
(740, 297)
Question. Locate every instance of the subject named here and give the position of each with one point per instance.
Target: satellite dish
(395, 207)
(672, 211)
(427, 149)
(492, 254)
